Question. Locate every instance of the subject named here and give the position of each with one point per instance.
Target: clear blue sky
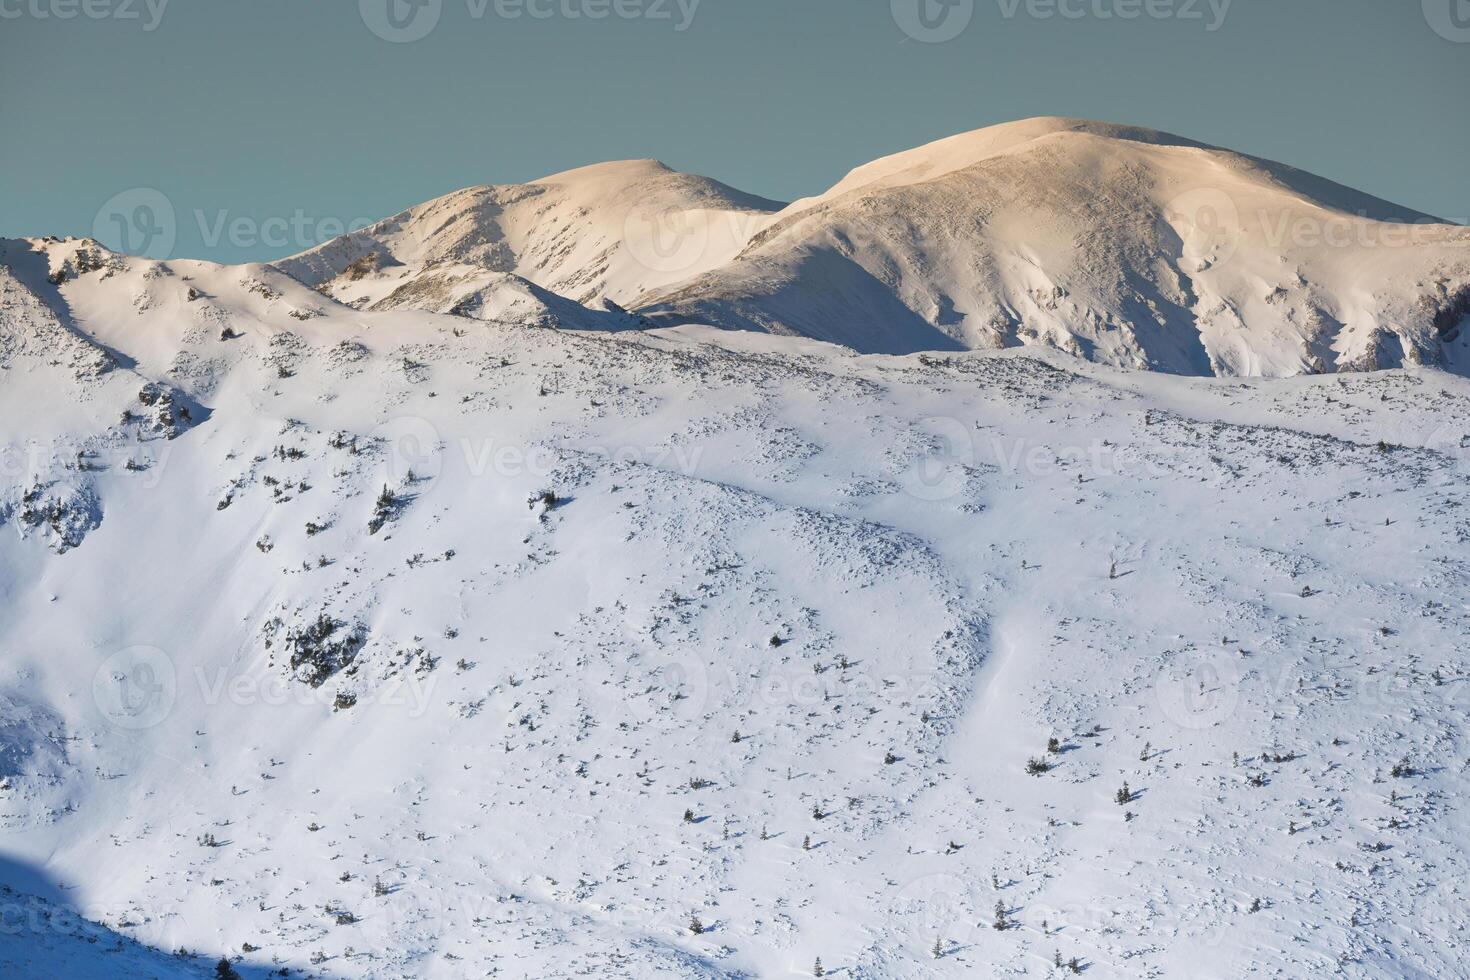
(249, 110)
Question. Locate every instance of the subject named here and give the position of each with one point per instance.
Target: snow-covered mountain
(540, 252)
(382, 643)
(1118, 244)
(1121, 245)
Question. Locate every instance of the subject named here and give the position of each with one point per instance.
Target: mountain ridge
(1121, 244)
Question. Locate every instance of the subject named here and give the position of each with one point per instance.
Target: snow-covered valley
(350, 643)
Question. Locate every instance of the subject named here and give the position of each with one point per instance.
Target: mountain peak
(1115, 243)
(944, 156)
(610, 169)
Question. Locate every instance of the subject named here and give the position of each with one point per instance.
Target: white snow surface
(388, 643)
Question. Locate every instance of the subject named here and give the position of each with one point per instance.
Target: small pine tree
(1000, 915)
(1125, 795)
(806, 843)
(938, 950)
(817, 970)
(688, 816)
(695, 926)
(224, 971)
(1053, 745)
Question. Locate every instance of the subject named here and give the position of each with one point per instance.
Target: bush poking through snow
(383, 510)
(542, 502)
(171, 417)
(67, 513)
(320, 650)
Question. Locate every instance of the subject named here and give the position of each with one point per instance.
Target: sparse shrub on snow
(321, 649)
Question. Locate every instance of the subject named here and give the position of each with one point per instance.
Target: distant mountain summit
(1119, 244)
(608, 232)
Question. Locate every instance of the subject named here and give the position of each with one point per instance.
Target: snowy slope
(1118, 244)
(609, 231)
(300, 665)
